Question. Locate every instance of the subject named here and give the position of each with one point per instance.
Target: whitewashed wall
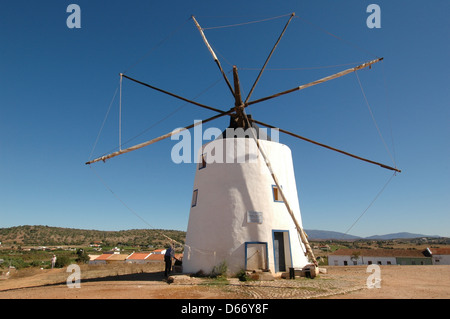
(218, 228)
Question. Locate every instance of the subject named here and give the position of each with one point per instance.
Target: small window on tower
(194, 198)
(276, 194)
(202, 163)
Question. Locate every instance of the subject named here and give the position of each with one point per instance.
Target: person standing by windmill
(168, 256)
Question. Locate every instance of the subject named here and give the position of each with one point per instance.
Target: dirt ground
(144, 282)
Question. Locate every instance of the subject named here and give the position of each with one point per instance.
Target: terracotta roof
(93, 257)
(380, 252)
(156, 257)
(103, 257)
(117, 257)
(440, 251)
(160, 257)
(138, 256)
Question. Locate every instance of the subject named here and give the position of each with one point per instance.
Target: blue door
(278, 250)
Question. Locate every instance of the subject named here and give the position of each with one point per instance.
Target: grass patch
(216, 281)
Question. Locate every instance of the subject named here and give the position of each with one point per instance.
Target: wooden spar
(325, 79)
(172, 94)
(300, 230)
(213, 54)
(268, 58)
(238, 106)
(237, 88)
(328, 147)
(162, 137)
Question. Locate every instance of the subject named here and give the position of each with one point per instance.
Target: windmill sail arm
(325, 79)
(204, 39)
(268, 58)
(212, 53)
(136, 147)
(157, 139)
(329, 147)
(172, 94)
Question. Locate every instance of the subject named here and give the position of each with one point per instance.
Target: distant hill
(58, 236)
(323, 234)
(314, 234)
(400, 235)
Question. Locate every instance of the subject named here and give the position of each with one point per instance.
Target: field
(35, 280)
(121, 281)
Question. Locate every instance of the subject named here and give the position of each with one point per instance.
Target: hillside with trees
(58, 236)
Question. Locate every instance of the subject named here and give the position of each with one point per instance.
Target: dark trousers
(168, 268)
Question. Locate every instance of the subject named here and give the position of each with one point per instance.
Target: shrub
(242, 275)
(62, 261)
(36, 263)
(82, 256)
(17, 263)
(220, 270)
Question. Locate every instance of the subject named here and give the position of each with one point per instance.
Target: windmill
(245, 213)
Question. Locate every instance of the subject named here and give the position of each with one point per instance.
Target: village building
(116, 258)
(155, 258)
(99, 259)
(92, 258)
(439, 256)
(349, 257)
(135, 257)
(138, 258)
(159, 251)
(108, 258)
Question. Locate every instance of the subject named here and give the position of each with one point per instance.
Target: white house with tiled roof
(440, 256)
(349, 257)
(107, 258)
(138, 257)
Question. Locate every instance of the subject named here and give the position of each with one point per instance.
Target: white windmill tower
(245, 210)
(238, 215)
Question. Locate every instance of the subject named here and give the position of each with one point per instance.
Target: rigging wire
(164, 118)
(371, 203)
(103, 124)
(157, 46)
(388, 108)
(120, 113)
(202, 251)
(337, 37)
(245, 23)
(130, 209)
(304, 68)
(223, 57)
(373, 119)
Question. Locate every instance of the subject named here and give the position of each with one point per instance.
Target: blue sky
(57, 85)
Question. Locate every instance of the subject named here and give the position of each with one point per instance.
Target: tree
(62, 261)
(82, 256)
